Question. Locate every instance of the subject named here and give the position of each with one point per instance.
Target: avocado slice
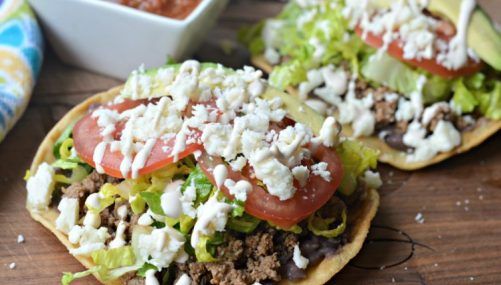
(483, 37)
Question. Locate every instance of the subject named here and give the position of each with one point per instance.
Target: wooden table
(459, 241)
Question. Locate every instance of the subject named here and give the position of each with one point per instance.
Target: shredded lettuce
(137, 204)
(490, 102)
(114, 257)
(295, 41)
(238, 207)
(294, 229)
(110, 264)
(186, 223)
(388, 71)
(108, 194)
(205, 251)
(202, 185)
(463, 98)
(201, 250)
(243, 224)
(478, 92)
(153, 201)
(56, 150)
(251, 37)
(356, 158)
(69, 277)
(319, 225)
(146, 266)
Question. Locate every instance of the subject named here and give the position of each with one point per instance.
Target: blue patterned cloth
(21, 54)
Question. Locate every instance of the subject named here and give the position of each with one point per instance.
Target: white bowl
(113, 39)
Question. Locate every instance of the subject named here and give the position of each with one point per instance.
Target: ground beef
(443, 113)
(233, 251)
(385, 112)
(88, 185)
(264, 256)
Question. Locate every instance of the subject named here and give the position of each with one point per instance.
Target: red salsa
(177, 9)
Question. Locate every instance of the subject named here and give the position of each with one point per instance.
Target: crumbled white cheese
(238, 189)
(187, 199)
(318, 105)
(163, 245)
(271, 39)
(372, 179)
(238, 163)
(444, 138)
(20, 238)
(276, 176)
(301, 174)
(40, 187)
(12, 266)
(299, 260)
(89, 239)
(320, 169)
(211, 217)
(430, 112)
(271, 55)
(68, 214)
(419, 218)
(329, 132)
(314, 79)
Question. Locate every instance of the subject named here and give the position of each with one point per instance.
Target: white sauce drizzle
(98, 155)
(150, 278)
(220, 173)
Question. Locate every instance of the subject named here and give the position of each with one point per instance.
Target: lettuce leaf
(243, 224)
(320, 226)
(66, 134)
(146, 266)
(110, 264)
(463, 98)
(388, 71)
(153, 201)
(477, 92)
(202, 185)
(201, 250)
(490, 102)
(114, 257)
(69, 277)
(356, 158)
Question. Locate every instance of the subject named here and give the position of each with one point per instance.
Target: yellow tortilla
(359, 220)
(469, 139)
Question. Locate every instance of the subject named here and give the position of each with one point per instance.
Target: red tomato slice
(286, 213)
(86, 136)
(430, 65)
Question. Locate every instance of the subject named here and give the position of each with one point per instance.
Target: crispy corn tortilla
(484, 128)
(359, 220)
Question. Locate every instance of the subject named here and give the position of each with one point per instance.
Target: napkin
(21, 54)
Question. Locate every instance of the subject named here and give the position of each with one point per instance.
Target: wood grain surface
(459, 241)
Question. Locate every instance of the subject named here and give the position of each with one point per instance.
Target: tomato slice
(265, 206)
(86, 136)
(430, 65)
